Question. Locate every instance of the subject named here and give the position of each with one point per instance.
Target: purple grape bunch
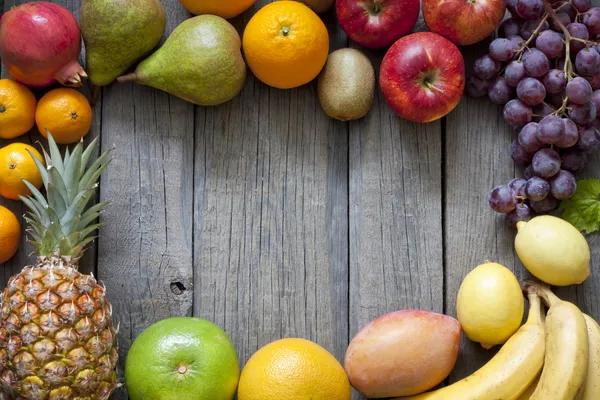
(544, 68)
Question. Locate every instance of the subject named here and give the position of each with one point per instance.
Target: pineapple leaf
(71, 174)
(67, 156)
(36, 243)
(54, 220)
(56, 232)
(41, 168)
(87, 154)
(47, 240)
(91, 214)
(74, 238)
(86, 232)
(75, 208)
(47, 157)
(36, 227)
(36, 193)
(55, 157)
(65, 246)
(32, 205)
(86, 180)
(72, 225)
(33, 236)
(55, 200)
(92, 182)
(86, 241)
(56, 179)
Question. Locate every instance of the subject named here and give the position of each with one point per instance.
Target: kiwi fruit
(319, 6)
(346, 85)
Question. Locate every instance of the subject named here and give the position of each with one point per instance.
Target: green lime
(182, 359)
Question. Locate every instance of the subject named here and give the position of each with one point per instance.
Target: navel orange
(66, 113)
(17, 109)
(223, 8)
(293, 369)
(286, 44)
(10, 234)
(17, 164)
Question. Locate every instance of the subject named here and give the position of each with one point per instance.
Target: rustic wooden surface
(272, 220)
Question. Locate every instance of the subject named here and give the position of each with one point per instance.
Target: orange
(17, 109)
(293, 369)
(66, 113)
(286, 44)
(17, 164)
(223, 8)
(10, 234)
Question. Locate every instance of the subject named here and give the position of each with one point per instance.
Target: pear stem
(132, 77)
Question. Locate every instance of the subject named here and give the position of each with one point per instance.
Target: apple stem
(433, 87)
(377, 6)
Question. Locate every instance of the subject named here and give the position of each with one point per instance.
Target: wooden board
(396, 257)
(145, 248)
(271, 227)
(272, 220)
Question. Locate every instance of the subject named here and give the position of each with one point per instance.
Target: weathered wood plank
(476, 159)
(145, 248)
(271, 203)
(396, 257)
(88, 263)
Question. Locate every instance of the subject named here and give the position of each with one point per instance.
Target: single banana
(526, 395)
(591, 386)
(567, 349)
(509, 373)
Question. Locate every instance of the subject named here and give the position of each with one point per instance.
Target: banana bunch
(556, 357)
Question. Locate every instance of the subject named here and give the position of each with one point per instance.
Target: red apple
(463, 21)
(422, 77)
(377, 23)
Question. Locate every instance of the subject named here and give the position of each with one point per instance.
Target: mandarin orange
(286, 44)
(17, 109)
(66, 113)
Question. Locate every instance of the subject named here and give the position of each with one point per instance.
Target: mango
(403, 353)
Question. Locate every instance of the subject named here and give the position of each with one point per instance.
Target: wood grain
(396, 257)
(477, 158)
(271, 225)
(145, 248)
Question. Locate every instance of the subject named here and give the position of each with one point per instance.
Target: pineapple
(57, 339)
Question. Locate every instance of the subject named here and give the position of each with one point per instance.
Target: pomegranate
(40, 43)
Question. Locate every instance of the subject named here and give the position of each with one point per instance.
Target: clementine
(66, 113)
(10, 234)
(293, 369)
(16, 164)
(17, 109)
(286, 44)
(223, 8)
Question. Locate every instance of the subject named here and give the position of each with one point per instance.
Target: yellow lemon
(490, 304)
(553, 250)
(293, 369)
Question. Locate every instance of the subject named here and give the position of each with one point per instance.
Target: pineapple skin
(57, 339)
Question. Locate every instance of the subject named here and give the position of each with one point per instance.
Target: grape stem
(532, 37)
(587, 43)
(568, 70)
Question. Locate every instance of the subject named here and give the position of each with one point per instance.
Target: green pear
(117, 34)
(200, 62)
